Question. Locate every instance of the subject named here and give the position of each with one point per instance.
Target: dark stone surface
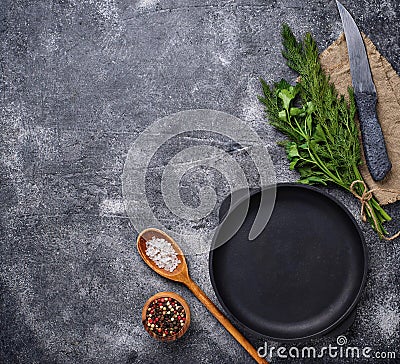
(79, 81)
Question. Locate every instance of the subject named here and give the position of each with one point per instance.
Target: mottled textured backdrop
(80, 80)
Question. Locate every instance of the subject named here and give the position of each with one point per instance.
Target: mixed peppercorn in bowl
(166, 316)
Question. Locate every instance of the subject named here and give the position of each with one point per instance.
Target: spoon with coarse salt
(181, 274)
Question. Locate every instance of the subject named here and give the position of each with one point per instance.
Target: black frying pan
(302, 276)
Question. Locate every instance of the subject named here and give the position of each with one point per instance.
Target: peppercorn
(165, 317)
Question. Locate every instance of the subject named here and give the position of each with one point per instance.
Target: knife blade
(376, 156)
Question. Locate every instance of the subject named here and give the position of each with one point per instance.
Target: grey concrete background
(79, 81)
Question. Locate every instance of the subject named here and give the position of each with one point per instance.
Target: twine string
(364, 198)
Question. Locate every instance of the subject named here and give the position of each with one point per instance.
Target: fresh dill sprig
(323, 142)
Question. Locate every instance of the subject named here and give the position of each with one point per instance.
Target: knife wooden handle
(376, 156)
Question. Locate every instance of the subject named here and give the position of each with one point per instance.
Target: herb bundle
(323, 143)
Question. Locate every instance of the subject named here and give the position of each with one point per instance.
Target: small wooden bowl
(182, 302)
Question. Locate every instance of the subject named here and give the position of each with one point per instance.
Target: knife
(376, 156)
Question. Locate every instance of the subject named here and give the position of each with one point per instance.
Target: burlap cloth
(335, 62)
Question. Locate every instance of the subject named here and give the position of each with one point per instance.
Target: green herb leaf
(293, 163)
(286, 96)
(323, 143)
(292, 150)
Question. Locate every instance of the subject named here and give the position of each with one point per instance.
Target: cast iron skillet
(302, 276)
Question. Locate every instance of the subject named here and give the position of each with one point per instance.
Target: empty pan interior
(301, 276)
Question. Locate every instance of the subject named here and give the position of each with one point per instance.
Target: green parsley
(323, 142)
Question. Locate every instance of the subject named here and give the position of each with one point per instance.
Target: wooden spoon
(181, 274)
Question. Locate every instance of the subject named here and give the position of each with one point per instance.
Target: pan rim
(351, 307)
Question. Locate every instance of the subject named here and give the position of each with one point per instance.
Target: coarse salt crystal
(162, 253)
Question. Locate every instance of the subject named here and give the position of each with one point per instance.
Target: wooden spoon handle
(224, 321)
